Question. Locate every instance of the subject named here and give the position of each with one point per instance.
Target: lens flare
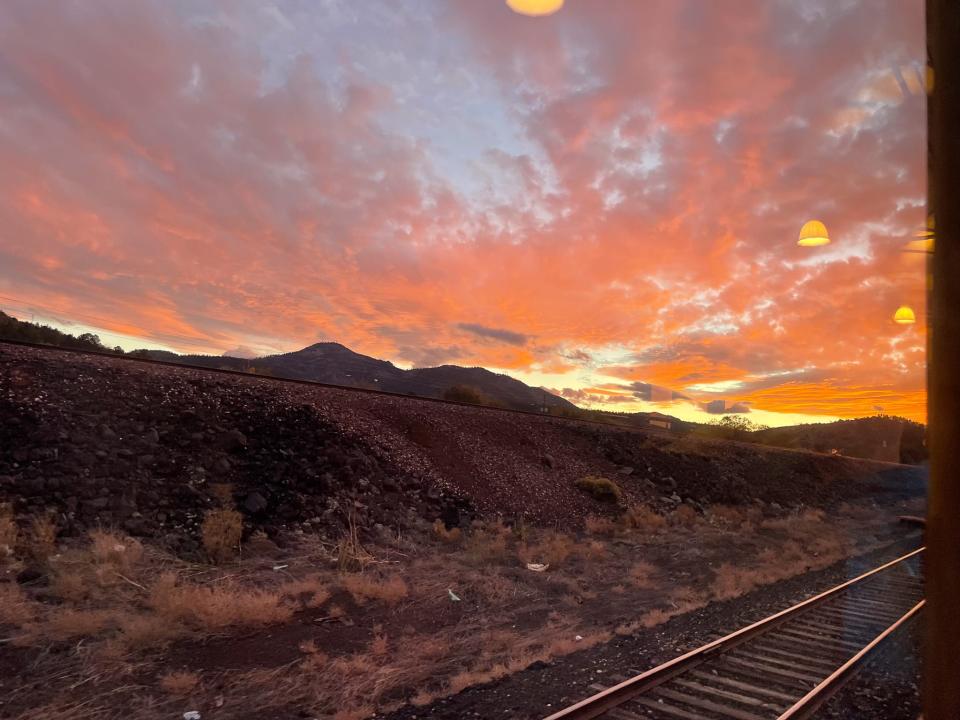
(813, 233)
(904, 316)
(535, 8)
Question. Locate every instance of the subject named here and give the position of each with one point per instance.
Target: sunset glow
(607, 202)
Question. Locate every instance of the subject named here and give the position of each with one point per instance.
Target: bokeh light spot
(813, 233)
(535, 8)
(904, 316)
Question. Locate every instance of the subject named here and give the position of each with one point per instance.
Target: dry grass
(553, 548)
(596, 525)
(379, 645)
(640, 517)
(422, 698)
(451, 535)
(223, 492)
(726, 515)
(595, 550)
(362, 588)
(309, 591)
(141, 632)
(9, 532)
(803, 524)
(125, 597)
(641, 574)
(41, 541)
(180, 683)
(352, 556)
(361, 713)
(15, 607)
(684, 599)
(600, 488)
(221, 531)
(309, 647)
(655, 617)
(211, 608)
(488, 545)
(731, 581)
(69, 623)
(110, 548)
(493, 587)
(520, 530)
(684, 516)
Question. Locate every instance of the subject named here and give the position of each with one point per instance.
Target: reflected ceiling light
(535, 8)
(904, 315)
(924, 238)
(923, 244)
(813, 234)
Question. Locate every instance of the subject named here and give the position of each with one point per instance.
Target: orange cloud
(610, 195)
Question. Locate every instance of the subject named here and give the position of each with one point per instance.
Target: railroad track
(783, 667)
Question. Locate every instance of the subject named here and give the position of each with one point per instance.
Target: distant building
(656, 419)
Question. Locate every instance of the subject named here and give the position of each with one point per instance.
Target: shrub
(596, 550)
(596, 525)
(600, 488)
(221, 532)
(223, 492)
(440, 530)
(310, 591)
(464, 394)
(800, 525)
(363, 587)
(378, 645)
(731, 581)
(485, 546)
(67, 623)
(110, 548)
(553, 549)
(641, 574)
(684, 516)
(726, 515)
(15, 607)
(215, 607)
(351, 555)
(42, 538)
(148, 631)
(8, 531)
(640, 517)
(520, 529)
(309, 647)
(179, 683)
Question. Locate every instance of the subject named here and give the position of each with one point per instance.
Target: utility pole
(941, 659)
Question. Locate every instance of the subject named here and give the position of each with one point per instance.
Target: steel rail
(615, 696)
(809, 703)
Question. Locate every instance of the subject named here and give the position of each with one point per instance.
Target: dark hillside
(104, 441)
(882, 437)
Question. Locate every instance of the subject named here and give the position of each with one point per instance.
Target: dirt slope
(107, 441)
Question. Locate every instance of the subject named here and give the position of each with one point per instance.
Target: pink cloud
(648, 168)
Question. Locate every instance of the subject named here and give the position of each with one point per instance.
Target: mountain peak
(325, 347)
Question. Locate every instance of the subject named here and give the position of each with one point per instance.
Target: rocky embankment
(105, 441)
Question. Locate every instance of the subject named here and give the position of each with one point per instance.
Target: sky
(604, 201)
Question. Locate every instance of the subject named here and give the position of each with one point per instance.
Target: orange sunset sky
(604, 202)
